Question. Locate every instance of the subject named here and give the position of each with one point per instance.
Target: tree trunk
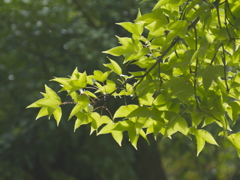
(148, 161)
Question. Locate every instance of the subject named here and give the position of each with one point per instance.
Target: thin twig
(225, 68)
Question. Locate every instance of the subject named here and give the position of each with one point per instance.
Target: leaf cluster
(188, 52)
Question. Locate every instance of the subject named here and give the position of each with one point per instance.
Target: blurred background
(43, 39)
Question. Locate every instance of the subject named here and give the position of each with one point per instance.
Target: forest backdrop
(42, 39)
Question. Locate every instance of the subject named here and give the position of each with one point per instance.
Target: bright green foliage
(49, 105)
(189, 54)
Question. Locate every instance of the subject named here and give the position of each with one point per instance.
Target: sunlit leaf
(42, 112)
(140, 112)
(200, 144)
(235, 139)
(81, 119)
(176, 124)
(206, 136)
(124, 111)
(118, 136)
(100, 76)
(57, 115)
(82, 102)
(114, 66)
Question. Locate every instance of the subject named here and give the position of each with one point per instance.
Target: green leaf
(210, 73)
(203, 48)
(155, 127)
(181, 88)
(51, 99)
(135, 28)
(77, 124)
(197, 118)
(81, 120)
(143, 134)
(42, 112)
(63, 81)
(161, 99)
(114, 66)
(176, 124)
(57, 115)
(208, 120)
(202, 9)
(200, 144)
(177, 28)
(75, 74)
(140, 122)
(202, 136)
(128, 126)
(118, 137)
(207, 136)
(76, 84)
(235, 108)
(82, 102)
(117, 134)
(45, 102)
(89, 93)
(106, 89)
(235, 58)
(140, 112)
(100, 76)
(52, 94)
(235, 81)
(108, 128)
(133, 136)
(124, 111)
(160, 3)
(235, 140)
(120, 50)
(98, 120)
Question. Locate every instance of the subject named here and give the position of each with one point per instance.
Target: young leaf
(100, 76)
(176, 124)
(98, 120)
(81, 119)
(114, 66)
(200, 144)
(135, 28)
(124, 111)
(202, 136)
(118, 137)
(106, 89)
(121, 50)
(82, 102)
(140, 112)
(140, 122)
(57, 115)
(42, 112)
(235, 140)
(160, 3)
(116, 134)
(206, 136)
(52, 94)
(133, 136)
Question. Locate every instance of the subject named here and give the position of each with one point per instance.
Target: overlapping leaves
(189, 56)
